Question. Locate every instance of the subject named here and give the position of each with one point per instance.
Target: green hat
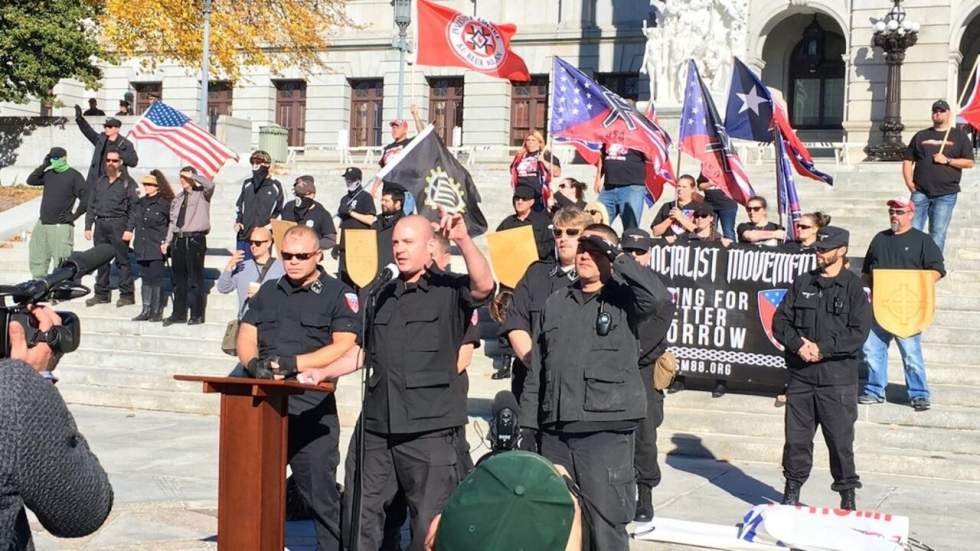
(513, 501)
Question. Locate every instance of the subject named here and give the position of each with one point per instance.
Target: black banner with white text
(726, 299)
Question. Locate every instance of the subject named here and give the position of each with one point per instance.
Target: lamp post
(205, 53)
(403, 18)
(894, 34)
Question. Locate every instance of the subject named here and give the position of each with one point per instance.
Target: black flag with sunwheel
(427, 170)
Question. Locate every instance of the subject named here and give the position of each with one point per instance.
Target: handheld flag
(970, 111)
(588, 115)
(427, 170)
(786, 195)
(703, 136)
(750, 106)
(448, 38)
(195, 145)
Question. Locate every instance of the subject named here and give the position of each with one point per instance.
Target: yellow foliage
(276, 33)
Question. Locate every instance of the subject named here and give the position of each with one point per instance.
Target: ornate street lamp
(403, 18)
(894, 34)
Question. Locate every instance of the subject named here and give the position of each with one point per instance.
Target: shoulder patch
(352, 302)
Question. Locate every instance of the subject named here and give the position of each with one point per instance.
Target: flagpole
(784, 215)
(959, 103)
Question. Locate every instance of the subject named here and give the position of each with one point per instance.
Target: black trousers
(645, 459)
(187, 259)
(313, 456)
(110, 230)
(601, 463)
(425, 467)
(834, 408)
(151, 271)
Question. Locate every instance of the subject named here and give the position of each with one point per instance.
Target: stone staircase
(130, 364)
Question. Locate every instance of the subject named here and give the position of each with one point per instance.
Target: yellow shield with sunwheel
(511, 252)
(904, 301)
(361, 255)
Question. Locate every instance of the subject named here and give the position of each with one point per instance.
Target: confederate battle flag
(448, 38)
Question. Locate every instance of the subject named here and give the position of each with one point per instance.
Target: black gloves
(596, 243)
(269, 368)
(78, 111)
(528, 440)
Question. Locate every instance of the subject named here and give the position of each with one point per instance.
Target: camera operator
(45, 464)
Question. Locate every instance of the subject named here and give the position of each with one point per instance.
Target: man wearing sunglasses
(107, 140)
(110, 218)
(932, 169)
(296, 323)
(902, 247)
(525, 215)
(540, 280)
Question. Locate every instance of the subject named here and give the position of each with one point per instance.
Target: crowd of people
(584, 330)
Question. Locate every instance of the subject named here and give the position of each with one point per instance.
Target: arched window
(816, 79)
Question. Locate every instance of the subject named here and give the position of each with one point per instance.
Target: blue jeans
(939, 210)
(876, 360)
(727, 219)
(625, 201)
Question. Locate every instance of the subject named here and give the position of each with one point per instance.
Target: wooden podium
(252, 459)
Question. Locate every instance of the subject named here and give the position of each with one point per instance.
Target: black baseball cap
(831, 237)
(113, 121)
(57, 153)
(352, 174)
(524, 191)
(635, 239)
(940, 105)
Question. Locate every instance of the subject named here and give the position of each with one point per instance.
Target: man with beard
(392, 202)
(822, 323)
(108, 220)
(307, 212)
(259, 201)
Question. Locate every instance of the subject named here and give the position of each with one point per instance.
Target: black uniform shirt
(834, 313)
(652, 333)
(912, 250)
(590, 381)
(541, 224)
(360, 201)
(151, 217)
(312, 215)
(385, 225)
(114, 200)
(935, 179)
(540, 280)
(418, 329)
(293, 320)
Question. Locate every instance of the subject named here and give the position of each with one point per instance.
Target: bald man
(415, 409)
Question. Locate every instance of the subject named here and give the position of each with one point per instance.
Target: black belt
(100, 217)
(181, 234)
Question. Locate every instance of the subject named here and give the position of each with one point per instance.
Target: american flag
(180, 134)
(589, 115)
(703, 136)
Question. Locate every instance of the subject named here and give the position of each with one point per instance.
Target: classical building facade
(817, 53)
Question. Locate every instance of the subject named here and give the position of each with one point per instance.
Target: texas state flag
(768, 303)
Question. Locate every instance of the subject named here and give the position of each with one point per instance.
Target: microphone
(76, 265)
(384, 277)
(504, 425)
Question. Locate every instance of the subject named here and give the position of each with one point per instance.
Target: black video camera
(61, 284)
(505, 429)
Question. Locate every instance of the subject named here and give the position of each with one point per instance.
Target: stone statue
(652, 58)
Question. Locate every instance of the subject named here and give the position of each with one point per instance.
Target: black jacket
(151, 218)
(112, 201)
(125, 148)
(835, 313)
(257, 205)
(59, 195)
(589, 379)
(385, 225)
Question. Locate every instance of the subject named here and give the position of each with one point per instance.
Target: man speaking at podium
(304, 320)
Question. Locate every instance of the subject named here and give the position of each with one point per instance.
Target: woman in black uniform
(152, 217)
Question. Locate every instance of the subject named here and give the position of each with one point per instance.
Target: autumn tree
(42, 43)
(274, 33)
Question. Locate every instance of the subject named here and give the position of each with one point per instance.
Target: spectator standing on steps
(306, 211)
(904, 247)
(93, 109)
(109, 219)
(259, 202)
(190, 222)
(933, 177)
(619, 181)
(151, 221)
(53, 236)
(108, 140)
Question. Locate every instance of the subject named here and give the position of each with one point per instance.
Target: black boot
(174, 318)
(156, 304)
(644, 503)
(146, 294)
(791, 495)
(847, 500)
(504, 371)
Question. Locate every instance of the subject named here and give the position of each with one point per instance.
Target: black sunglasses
(113, 161)
(934, 111)
(753, 209)
(256, 243)
(299, 256)
(897, 212)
